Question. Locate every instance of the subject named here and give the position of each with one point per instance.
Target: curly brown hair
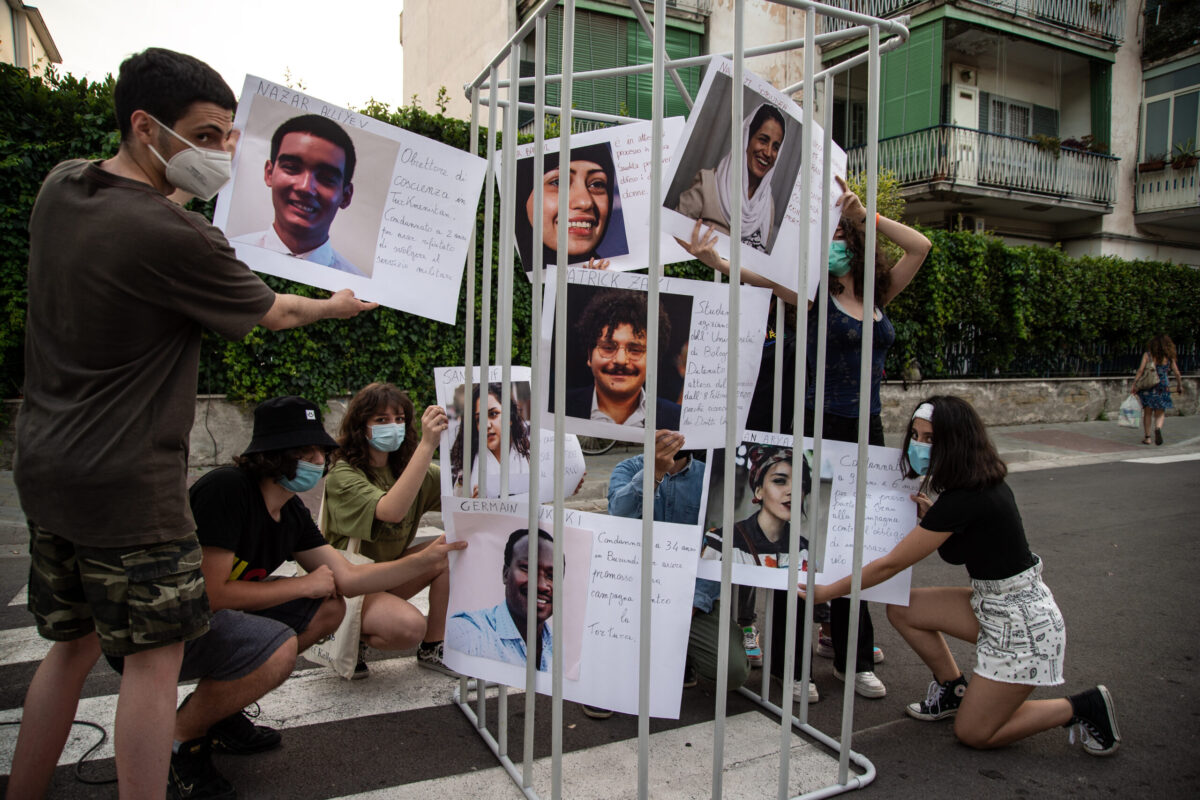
(611, 308)
(1161, 348)
(856, 243)
(354, 445)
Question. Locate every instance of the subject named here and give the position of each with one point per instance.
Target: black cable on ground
(79, 764)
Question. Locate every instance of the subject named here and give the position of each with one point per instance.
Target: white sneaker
(865, 684)
(813, 695)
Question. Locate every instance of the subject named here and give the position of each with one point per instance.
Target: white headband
(925, 412)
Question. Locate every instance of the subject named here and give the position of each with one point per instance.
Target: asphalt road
(1120, 545)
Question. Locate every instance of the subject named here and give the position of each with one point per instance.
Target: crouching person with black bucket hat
(250, 520)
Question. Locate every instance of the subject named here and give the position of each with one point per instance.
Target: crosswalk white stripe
(1164, 459)
(310, 696)
(609, 771)
(20, 598)
(20, 645)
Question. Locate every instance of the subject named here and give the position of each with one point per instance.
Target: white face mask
(196, 170)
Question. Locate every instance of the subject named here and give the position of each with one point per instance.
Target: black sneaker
(1096, 715)
(238, 735)
(193, 776)
(429, 656)
(360, 669)
(689, 676)
(942, 700)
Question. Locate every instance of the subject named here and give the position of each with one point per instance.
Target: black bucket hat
(282, 423)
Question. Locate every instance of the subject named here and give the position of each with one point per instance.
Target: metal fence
(1104, 19)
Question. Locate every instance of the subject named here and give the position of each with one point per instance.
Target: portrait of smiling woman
(710, 197)
(591, 208)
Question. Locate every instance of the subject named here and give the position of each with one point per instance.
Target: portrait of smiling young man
(498, 632)
(310, 175)
(611, 333)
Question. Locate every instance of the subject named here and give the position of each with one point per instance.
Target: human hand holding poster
(601, 591)
(699, 178)
(451, 395)
(891, 514)
(607, 357)
(608, 191)
(327, 197)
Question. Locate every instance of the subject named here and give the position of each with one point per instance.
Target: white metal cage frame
(486, 91)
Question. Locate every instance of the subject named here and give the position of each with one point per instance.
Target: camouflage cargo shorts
(136, 598)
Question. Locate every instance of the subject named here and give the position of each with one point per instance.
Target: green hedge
(1015, 307)
(1034, 311)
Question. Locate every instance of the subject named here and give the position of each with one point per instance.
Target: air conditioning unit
(962, 75)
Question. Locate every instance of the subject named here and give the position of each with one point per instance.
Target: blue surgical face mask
(387, 438)
(918, 456)
(839, 258)
(307, 475)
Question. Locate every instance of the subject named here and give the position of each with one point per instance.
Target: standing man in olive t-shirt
(121, 283)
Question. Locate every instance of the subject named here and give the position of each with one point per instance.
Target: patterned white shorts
(1022, 636)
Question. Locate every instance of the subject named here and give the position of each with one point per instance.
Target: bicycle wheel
(593, 446)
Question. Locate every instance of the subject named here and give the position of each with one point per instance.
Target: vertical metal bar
(469, 323)
(864, 388)
(814, 500)
(560, 390)
(507, 224)
(537, 372)
(651, 389)
(504, 342)
(485, 316)
(737, 146)
(489, 199)
(790, 601)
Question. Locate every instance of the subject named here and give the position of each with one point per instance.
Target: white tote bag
(339, 651)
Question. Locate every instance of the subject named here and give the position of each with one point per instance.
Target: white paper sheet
(403, 230)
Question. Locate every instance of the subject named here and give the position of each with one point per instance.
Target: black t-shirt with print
(987, 534)
(231, 514)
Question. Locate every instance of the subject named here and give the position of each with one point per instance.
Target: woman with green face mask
(847, 264)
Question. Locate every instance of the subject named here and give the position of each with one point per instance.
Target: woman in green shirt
(382, 482)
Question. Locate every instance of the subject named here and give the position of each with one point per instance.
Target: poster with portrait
(765, 507)
(607, 356)
(334, 199)
(608, 190)
(765, 473)
(451, 395)
(601, 595)
(699, 178)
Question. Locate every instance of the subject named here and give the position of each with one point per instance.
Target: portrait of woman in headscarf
(710, 197)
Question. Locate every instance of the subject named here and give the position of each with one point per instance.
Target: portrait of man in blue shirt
(498, 632)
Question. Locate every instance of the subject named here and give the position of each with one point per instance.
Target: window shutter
(912, 83)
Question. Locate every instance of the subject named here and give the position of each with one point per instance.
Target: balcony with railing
(977, 162)
(1104, 19)
(1169, 195)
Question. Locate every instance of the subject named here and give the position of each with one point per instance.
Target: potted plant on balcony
(1153, 163)
(1048, 144)
(1186, 156)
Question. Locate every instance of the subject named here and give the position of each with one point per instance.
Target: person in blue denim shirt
(499, 632)
(679, 484)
